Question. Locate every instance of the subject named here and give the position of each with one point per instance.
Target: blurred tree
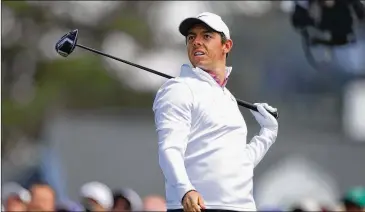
(61, 84)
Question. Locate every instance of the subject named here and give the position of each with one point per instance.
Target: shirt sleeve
(260, 144)
(172, 109)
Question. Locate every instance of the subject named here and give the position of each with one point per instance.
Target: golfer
(202, 135)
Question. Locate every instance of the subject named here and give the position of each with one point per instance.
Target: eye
(207, 36)
(190, 37)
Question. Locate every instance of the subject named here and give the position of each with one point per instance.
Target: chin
(199, 64)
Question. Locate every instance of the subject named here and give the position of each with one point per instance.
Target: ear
(227, 46)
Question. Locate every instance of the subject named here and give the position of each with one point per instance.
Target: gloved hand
(264, 118)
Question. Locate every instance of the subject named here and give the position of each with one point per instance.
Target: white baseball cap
(132, 196)
(212, 20)
(98, 192)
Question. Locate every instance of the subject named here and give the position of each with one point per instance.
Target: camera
(328, 22)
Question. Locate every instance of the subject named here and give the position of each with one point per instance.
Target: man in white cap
(14, 197)
(96, 196)
(126, 199)
(202, 135)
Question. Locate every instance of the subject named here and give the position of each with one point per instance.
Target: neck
(219, 73)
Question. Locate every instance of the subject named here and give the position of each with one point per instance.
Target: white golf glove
(264, 118)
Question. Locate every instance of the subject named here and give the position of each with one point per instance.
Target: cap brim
(188, 23)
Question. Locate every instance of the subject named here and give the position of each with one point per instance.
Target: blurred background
(68, 121)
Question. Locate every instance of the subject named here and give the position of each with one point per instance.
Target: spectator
(354, 199)
(43, 198)
(127, 200)
(96, 196)
(14, 197)
(154, 203)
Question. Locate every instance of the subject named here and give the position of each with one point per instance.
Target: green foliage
(84, 83)
(134, 26)
(17, 6)
(76, 82)
(72, 83)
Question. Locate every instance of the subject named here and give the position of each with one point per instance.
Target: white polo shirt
(202, 142)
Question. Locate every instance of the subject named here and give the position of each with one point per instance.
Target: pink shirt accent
(222, 84)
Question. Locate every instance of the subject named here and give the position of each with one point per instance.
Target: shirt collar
(208, 77)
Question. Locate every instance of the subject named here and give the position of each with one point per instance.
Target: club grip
(253, 107)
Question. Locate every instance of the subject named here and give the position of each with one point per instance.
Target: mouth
(198, 53)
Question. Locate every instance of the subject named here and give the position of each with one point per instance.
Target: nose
(197, 41)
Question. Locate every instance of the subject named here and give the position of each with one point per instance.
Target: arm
(172, 108)
(261, 143)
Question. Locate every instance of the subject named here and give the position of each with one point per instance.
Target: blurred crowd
(93, 196)
(97, 196)
(352, 200)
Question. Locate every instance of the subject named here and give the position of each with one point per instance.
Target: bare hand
(193, 202)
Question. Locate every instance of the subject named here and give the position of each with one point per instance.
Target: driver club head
(66, 45)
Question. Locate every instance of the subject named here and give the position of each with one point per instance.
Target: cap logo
(202, 15)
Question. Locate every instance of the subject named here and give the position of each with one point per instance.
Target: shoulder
(175, 91)
(174, 86)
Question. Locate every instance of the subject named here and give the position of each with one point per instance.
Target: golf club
(66, 45)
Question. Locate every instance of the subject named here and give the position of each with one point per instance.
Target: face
(42, 198)
(13, 203)
(154, 203)
(205, 48)
(122, 205)
(93, 205)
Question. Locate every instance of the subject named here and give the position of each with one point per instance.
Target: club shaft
(240, 102)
